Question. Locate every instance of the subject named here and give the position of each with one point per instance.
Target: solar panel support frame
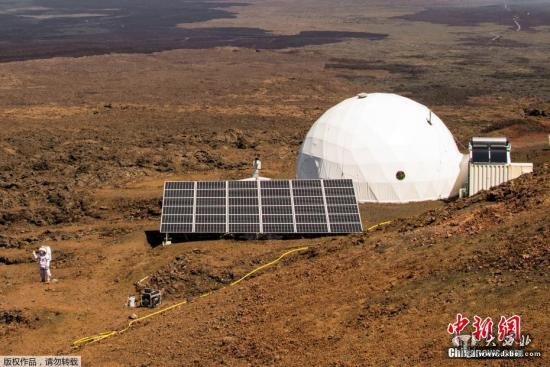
(226, 206)
(358, 209)
(259, 190)
(292, 205)
(193, 223)
(326, 206)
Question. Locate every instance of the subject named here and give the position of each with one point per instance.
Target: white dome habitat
(393, 148)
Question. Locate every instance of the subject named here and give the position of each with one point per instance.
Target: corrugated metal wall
(483, 176)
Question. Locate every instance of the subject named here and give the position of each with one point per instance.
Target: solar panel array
(270, 206)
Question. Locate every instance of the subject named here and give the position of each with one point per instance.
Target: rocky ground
(477, 255)
(86, 144)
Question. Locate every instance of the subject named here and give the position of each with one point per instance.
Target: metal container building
(490, 164)
(483, 176)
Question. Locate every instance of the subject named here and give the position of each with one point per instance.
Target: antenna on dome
(429, 119)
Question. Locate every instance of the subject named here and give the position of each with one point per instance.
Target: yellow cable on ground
(268, 264)
(107, 334)
(141, 280)
(378, 225)
(94, 338)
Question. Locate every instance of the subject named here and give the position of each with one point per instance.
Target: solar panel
(489, 150)
(271, 206)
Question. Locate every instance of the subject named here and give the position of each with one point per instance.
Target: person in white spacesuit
(43, 257)
(256, 166)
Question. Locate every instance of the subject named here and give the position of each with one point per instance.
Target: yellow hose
(268, 264)
(108, 334)
(142, 280)
(378, 225)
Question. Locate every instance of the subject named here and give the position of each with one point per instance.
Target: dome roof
(395, 150)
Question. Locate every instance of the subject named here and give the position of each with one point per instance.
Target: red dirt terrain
(348, 301)
(87, 142)
(345, 301)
